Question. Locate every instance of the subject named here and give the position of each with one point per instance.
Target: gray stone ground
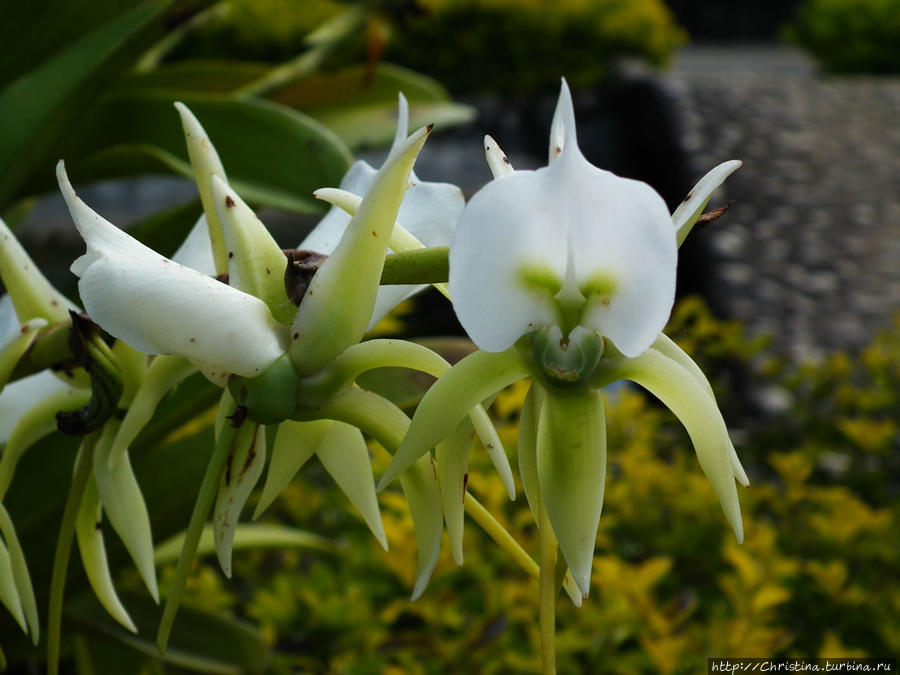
(810, 251)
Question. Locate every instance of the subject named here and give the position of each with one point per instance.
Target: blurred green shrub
(850, 36)
(816, 576)
(467, 45)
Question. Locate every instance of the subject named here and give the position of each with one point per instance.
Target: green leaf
(361, 106)
(37, 107)
(205, 642)
(274, 155)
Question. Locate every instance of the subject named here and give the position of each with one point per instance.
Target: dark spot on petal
(505, 159)
(689, 195)
(374, 233)
(24, 329)
(98, 525)
(54, 303)
(230, 254)
(429, 128)
(238, 417)
(229, 202)
(465, 485)
(267, 271)
(296, 335)
(192, 340)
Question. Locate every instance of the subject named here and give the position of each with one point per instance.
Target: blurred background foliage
(850, 36)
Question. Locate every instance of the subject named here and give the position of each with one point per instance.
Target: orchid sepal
(465, 385)
(349, 277)
(696, 409)
(685, 216)
(255, 261)
(451, 457)
(20, 575)
(205, 163)
(571, 468)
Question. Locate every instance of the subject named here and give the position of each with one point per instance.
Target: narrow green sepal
(255, 260)
(527, 448)
(239, 477)
(349, 277)
(89, 533)
(9, 594)
(31, 294)
(460, 389)
(681, 393)
(451, 462)
(295, 443)
(21, 576)
(124, 503)
(571, 468)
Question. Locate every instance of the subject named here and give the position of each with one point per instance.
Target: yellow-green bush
(506, 45)
(850, 36)
(816, 576)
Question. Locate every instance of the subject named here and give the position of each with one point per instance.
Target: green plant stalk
(205, 497)
(83, 463)
(421, 266)
(547, 593)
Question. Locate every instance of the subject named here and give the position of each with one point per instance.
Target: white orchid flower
(429, 213)
(567, 274)
(159, 306)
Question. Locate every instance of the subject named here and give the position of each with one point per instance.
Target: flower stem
(83, 463)
(547, 593)
(420, 266)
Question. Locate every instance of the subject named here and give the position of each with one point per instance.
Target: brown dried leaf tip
(300, 269)
(715, 214)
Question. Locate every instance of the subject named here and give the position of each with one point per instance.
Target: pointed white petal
(241, 473)
(206, 163)
(196, 249)
(562, 129)
(295, 443)
(255, 261)
(124, 504)
(696, 409)
(402, 120)
(690, 209)
(89, 532)
(9, 594)
(497, 160)
(160, 307)
(345, 456)
(571, 467)
(28, 289)
(451, 463)
(21, 576)
(668, 348)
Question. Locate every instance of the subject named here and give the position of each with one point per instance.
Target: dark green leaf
(273, 155)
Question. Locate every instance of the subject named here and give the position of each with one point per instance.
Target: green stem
(421, 266)
(547, 593)
(83, 463)
(295, 69)
(202, 505)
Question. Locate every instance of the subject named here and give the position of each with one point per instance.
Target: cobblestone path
(810, 251)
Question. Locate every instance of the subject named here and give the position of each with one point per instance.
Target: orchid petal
(255, 261)
(295, 443)
(345, 456)
(562, 128)
(423, 495)
(497, 160)
(31, 294)
(89, 532)
(196, 249)
(16, 346)
(160, 307)
(9, 594)
(687, 213)
(683, 395)
(668, 348)
(527, 448)
(124, 504)
(21, 576)
(451, 462)
(9, 322)
(239, 477)
(460, 389)
(164, 373)
(45, 396)
(349, 277)
(206, 163)
(571, 467)
(517, 239)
